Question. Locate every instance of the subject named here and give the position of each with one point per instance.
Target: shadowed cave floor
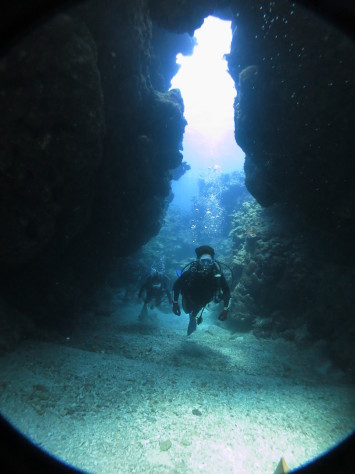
(120, 395)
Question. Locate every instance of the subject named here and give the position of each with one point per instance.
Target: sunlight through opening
(207, 88)
(208, 92)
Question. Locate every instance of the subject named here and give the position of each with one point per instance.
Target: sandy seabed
(122, 395)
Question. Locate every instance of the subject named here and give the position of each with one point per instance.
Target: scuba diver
(199, 285)
(155, 286)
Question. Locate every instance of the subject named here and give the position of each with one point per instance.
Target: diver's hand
(176, 309)
(223, 315)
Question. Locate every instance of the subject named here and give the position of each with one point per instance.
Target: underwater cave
(107, 180)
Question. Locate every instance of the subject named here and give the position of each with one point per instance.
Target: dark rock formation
(52, 126)
(289, 286)
(87, 149)
(293, 114)
(165, 46)
(181, 16)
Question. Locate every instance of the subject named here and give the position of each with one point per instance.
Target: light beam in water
(208, 92)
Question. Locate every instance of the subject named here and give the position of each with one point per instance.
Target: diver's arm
(176, 292)
(226, 292)
(177, 289)
(226, 297)
(147, 283)
(167, 292)
(165, 288)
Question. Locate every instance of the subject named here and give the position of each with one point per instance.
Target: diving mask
(206, 261)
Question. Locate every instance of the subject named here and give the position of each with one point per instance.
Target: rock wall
(87, 148)
(293, 114)
(52, 126)
(288, 286)
(165, 45)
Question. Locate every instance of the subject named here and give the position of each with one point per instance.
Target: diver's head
(205, 263)
(204, 249)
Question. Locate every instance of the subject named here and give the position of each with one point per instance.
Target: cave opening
(208, 92)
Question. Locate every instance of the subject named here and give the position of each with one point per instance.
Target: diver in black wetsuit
(199, 285)
(154, 288)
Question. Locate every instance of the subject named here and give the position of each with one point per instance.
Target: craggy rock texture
(293, 114)
(295, 122)
(52, 126)
(87, 148)
(181, 16)
(288, 286)
(165, 46)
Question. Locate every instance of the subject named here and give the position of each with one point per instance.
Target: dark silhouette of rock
(165, 46)
(87, 149)
(52, 127)
(293, 115)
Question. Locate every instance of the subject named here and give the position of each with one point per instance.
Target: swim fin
(192, 325)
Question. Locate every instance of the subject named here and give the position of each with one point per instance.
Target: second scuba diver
(153, 290)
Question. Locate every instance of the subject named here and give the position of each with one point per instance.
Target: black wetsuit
(198, 288)
(155, 287)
